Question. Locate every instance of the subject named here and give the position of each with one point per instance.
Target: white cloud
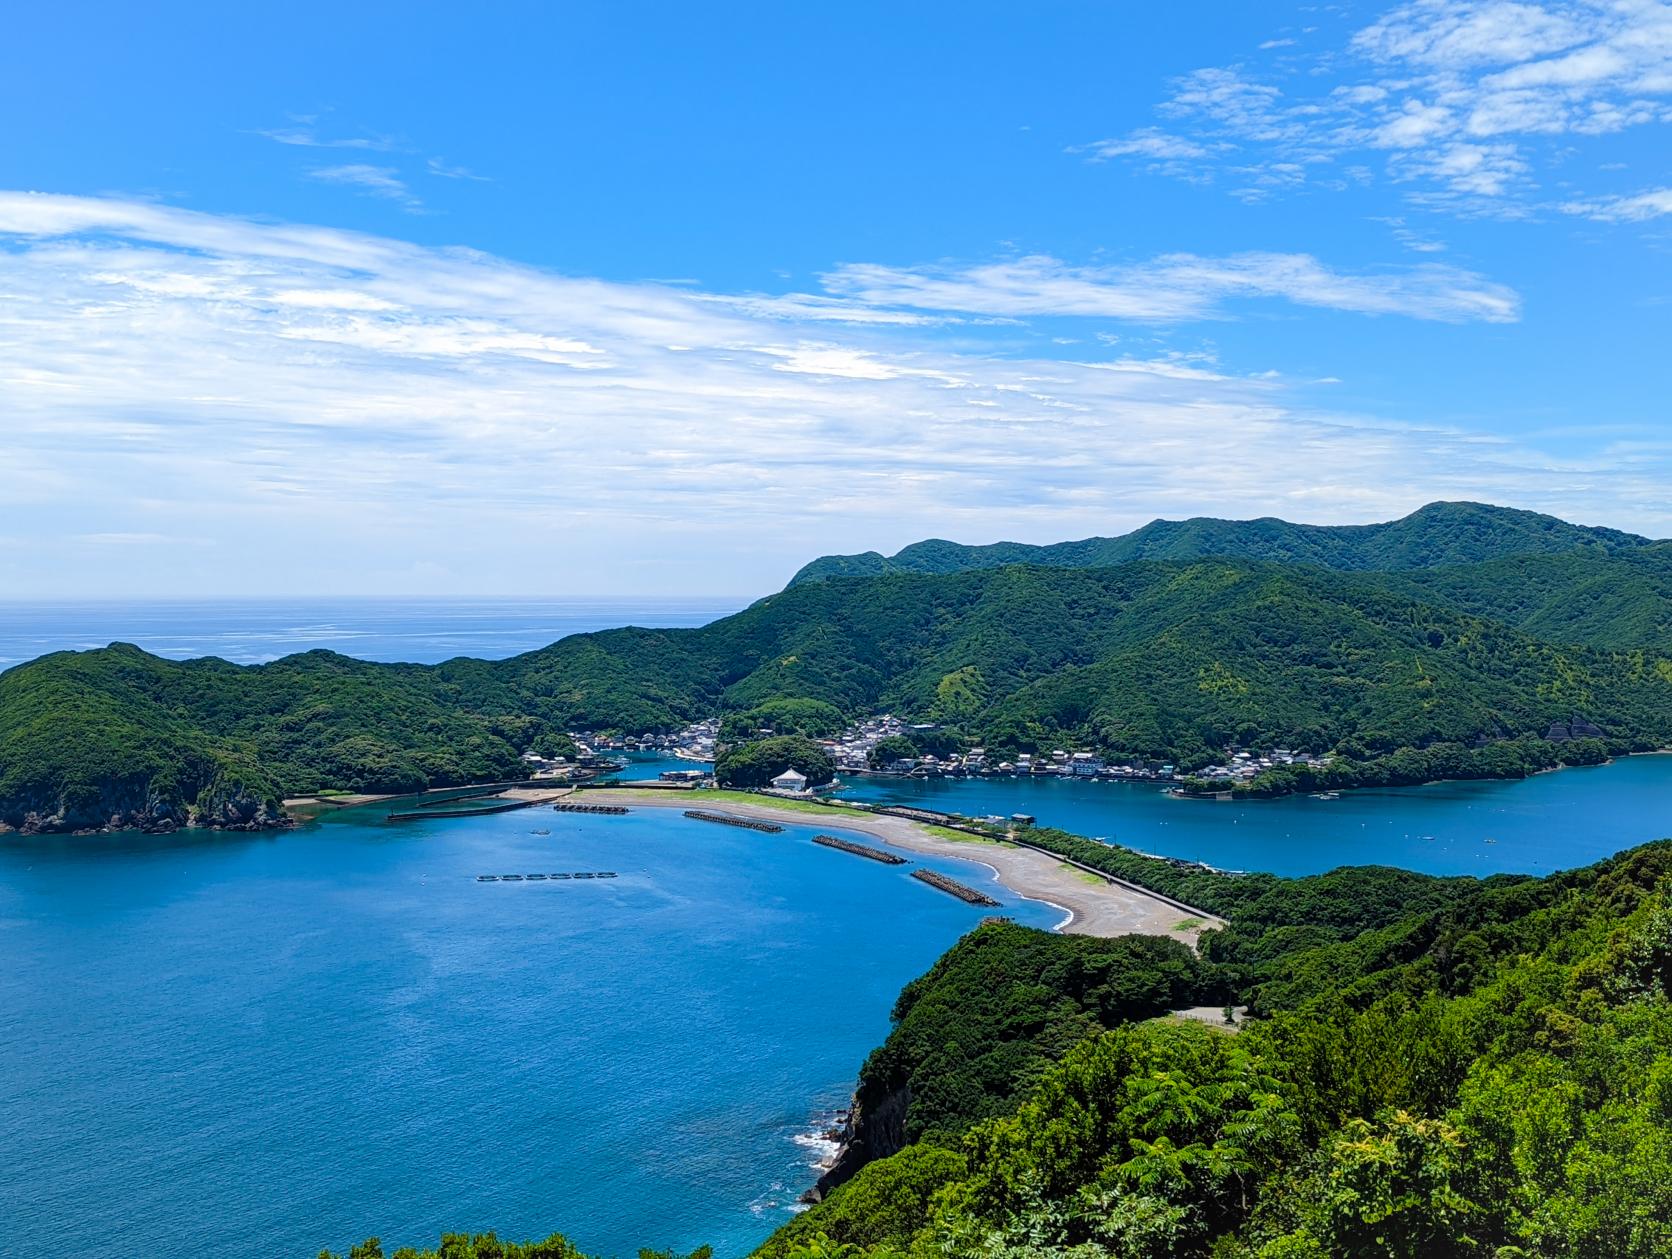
(1149, 142)
(1457, 94)
(448, 170)
(374, 181)
(1177, 287)
(1625, 209)
(1449, 35)
(323, 410)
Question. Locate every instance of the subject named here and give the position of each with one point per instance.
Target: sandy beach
(1091, 905)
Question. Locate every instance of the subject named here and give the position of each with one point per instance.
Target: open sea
(215, 1046)
(252, 631)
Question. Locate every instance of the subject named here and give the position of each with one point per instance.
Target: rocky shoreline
(155, 817)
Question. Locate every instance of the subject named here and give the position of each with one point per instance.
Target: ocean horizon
(408, 629)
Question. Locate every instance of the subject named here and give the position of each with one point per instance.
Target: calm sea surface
(1544, 823)
(251, 631)
(231, 1045)
(235, 1045)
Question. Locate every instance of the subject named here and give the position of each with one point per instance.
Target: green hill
(1165, 660)
(1616, 600)
(1434, 536)
(1479, 1073)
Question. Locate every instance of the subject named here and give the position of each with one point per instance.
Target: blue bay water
(1534, 826)
(228, 1045)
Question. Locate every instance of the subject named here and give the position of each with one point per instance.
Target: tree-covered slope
(1437, 535)
(1164, 660)
(1622, 599)
(1488, 1075)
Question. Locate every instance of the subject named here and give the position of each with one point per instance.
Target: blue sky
(362, 298)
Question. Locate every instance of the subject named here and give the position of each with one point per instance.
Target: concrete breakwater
(954, 888)
(729, 819)
(860, 850)
(424, 814)
(479, 793)
(613, 810)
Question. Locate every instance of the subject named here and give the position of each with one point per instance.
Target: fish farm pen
(954, 888)
(540, 878)
(860, 850)
(613, 810)
(728, 819)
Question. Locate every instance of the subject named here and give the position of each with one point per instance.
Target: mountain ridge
(1436, 535)
(1164, 660)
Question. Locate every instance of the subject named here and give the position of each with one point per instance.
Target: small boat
(541, 831)
(1491, 841)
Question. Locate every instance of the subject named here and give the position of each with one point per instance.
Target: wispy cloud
(1632, 208)
(339, 411)
(372, 181)
(447, 170)
(1457, 101)
(303, 132)
(1178, 287)
(1150, 142)
(386, 181)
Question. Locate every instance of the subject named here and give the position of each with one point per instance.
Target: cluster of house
(852, 749)
(852, 753)
(591, 759)
(1245, 764)
(1059, 763)
(693, 743)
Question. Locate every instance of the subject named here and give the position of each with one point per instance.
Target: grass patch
(1190, 924)
(721, 796)
(1085, 876)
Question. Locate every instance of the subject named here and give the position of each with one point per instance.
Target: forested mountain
(1165, 660)
(1619, 599)
(1431, 537)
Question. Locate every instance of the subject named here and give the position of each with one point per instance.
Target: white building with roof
(790, 780)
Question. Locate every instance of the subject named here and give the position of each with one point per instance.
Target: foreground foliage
(1490, 1076)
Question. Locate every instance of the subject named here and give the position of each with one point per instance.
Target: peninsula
(1483, 643)
(1096, 904)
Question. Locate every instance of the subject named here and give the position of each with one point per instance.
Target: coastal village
(853, 753)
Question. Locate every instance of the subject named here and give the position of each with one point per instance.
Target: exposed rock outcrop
(873, 1131)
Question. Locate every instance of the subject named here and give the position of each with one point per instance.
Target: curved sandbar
(1094, 906)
